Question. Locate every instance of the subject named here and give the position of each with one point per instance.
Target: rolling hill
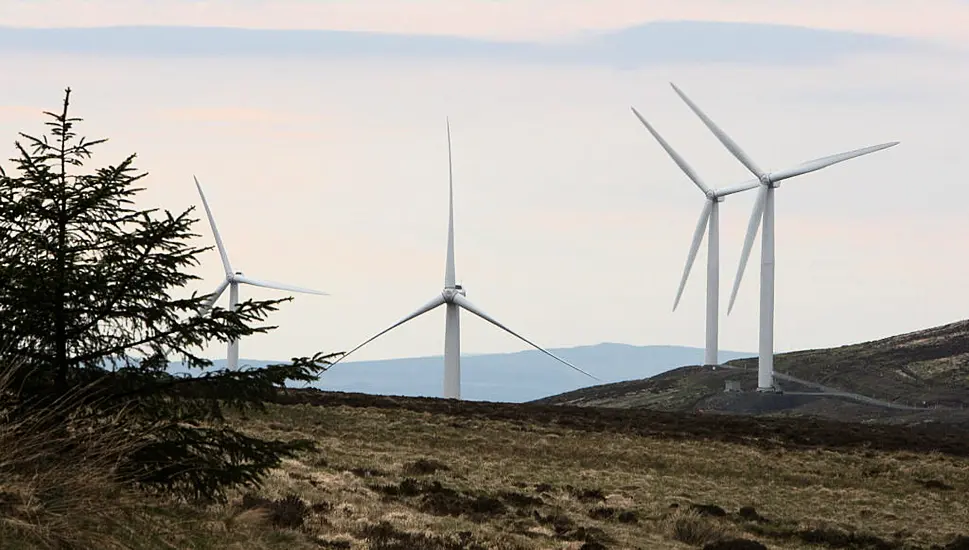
(912, 377)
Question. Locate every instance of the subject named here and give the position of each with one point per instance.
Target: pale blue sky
(572, 225)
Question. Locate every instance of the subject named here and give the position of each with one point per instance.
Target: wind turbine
(763, 213)
(233, 279)
(453, 298)
(709, 220)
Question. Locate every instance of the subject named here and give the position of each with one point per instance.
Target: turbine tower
(709, 221)
(763, 214)
(453, 298)
(233, 279)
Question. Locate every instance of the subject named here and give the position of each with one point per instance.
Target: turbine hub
(765, 180)
(450, 292)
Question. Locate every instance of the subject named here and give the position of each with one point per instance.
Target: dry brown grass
(55, 476)
(396, 479)
(59, 488)
(696, 529)
(463, 482)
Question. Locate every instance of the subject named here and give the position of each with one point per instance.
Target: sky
(514, 19)
(572, 225)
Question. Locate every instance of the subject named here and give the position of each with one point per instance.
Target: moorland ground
(411, 473)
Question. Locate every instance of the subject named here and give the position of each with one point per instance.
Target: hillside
(918, 376)
(505, 377)
(396, 473)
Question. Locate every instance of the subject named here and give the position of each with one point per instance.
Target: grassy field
(436, 475)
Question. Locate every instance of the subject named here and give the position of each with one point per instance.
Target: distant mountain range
(652, 43)
(506, 377)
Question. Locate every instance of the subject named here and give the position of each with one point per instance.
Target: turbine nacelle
(767, 181)
(451, 292)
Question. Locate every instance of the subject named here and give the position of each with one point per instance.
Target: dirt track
(760, 431)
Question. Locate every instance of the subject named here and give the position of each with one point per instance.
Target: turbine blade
(680, 161)
(215, 231)
(449, 275)
(422, 310)
(755, 216)
(464, 303)
(277, 286)
(738, 188)
(727, 142)
(701, 226)
(215, 296)
(824, 162)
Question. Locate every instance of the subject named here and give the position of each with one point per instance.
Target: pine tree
(93, 302)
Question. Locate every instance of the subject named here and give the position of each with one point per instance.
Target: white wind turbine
(233, 279)
(709, 220)
(763, 213)
(453, 297)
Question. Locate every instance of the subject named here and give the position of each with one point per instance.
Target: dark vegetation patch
(438, 499)
(520, 500)
(769, 433)
(934, 484)
(586, 495)
(614, 514)
(628, 516)
(829, 537)
(288, 512)
(565, 528)
(425, 466)
(837, 538)
(749, 513)
(602, 512)
(735, 544)
(384, 536)
(557, 521)
(449, 502)
(961, 542)
(711, 510)
(321, 507)
(326, 544)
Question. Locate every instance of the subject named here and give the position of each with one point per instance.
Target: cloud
(649, 44)
(520, 19)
